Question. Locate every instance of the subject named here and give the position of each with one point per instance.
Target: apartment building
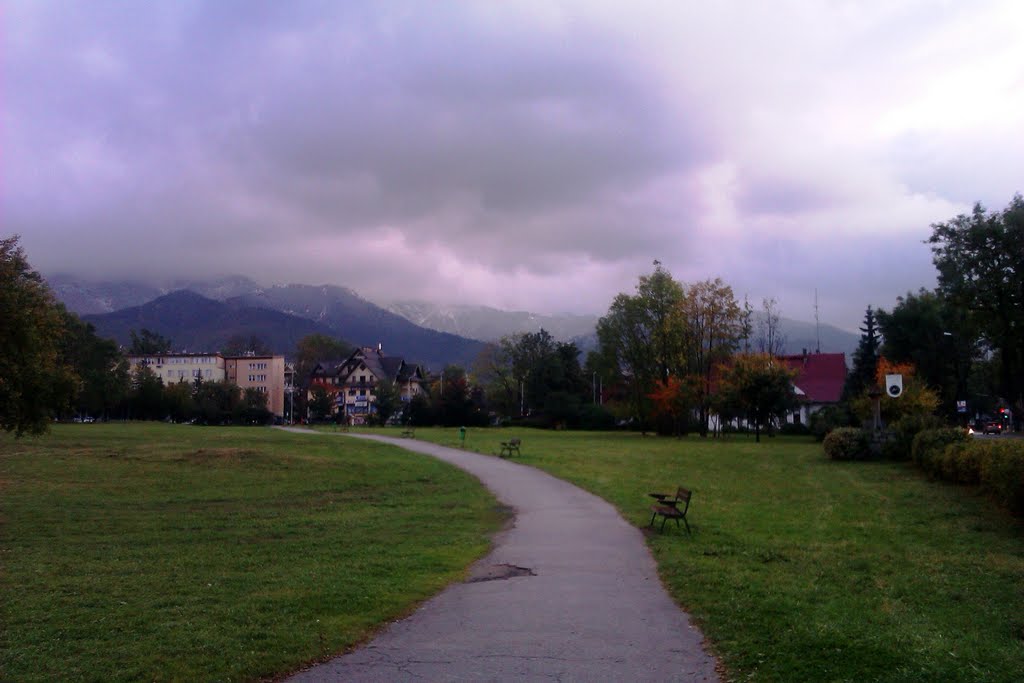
(183, 367)
(264, 373)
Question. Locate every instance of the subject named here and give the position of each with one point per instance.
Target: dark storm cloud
(331, 121)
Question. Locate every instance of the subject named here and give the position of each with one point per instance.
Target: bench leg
(651, 525)
(663, 520)
(687, 526)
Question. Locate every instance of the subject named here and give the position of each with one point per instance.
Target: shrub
(1002, 473)
(847, 443)
(927, 447)
(828, 419)
(901, 433)
(791, 429)
(596, 417)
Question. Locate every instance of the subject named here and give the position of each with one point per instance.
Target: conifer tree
(865, 359)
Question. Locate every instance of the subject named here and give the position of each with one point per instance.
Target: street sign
(961, 406)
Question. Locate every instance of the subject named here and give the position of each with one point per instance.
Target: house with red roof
(819, 382)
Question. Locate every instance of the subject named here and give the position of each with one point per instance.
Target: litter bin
(462, 436)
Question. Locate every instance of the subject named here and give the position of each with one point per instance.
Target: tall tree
(34, 381)
(317, 347)
(146, 395)
(713, 324)
(770, 338)
(643, 337)
(148, 343)
(865, 358)
(941, 342)
(981, 269)
(100, 368)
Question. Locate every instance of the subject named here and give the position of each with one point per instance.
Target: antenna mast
(817, 322)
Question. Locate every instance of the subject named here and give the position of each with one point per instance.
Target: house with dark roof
(818, 383)
(352, 382)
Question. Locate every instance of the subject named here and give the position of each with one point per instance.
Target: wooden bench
(507, 447)
(671, 508)
(409, 433)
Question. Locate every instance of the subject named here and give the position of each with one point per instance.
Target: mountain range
(204, 314)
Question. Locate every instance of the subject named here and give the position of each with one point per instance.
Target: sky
(530, 155)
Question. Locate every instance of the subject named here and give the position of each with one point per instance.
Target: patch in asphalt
(498, 572)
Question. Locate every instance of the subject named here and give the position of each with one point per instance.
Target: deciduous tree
(757, 387)
(34, 380)
(148, 343)
(713, 326)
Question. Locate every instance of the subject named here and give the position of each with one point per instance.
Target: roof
(390, 368)
(819, 376)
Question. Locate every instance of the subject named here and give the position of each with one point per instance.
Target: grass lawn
(162, 552)
(802, 569)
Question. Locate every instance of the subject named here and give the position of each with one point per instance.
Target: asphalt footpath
(569, 593)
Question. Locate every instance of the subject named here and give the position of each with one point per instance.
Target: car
(993, 428)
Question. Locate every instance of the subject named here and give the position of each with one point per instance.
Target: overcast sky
(528, 155)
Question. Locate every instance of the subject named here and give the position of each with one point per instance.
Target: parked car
(993, 427)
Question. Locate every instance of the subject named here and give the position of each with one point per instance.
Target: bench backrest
(683, 496)
(514, 442)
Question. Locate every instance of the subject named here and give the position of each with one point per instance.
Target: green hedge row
(997, 465)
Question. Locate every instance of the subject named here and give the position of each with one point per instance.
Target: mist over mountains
(433, 334)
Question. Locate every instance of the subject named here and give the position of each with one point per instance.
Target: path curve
(587, 604)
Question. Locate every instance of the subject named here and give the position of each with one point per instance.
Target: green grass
(161, 552)
(803, 569)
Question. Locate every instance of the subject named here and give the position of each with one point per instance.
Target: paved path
(587, 604)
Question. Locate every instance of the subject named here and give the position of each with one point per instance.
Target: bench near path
(569, 593)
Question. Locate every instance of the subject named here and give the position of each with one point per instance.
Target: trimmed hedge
(997, 465)
(847, 443)
(928, 445)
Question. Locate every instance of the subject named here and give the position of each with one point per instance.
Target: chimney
(380, 348)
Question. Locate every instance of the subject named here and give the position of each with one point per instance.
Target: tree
(319, 403)
(939, 341)
(148, 343)
(492, 369)
(452, 404)
(100, 368)
(713, 324)
(770, 338)
(387, 400)
(317, 347)
(757, 387)
(865, 359)
(746, 324)
(252, 409)
(240, 345)
(178, 401)
(34, 381)
(218, 402)
(146, 394)
(674, 400)
(917, 400)
(522, 371)
(642, 338)
(981, 270)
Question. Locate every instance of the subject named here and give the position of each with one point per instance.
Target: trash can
(462, 436)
